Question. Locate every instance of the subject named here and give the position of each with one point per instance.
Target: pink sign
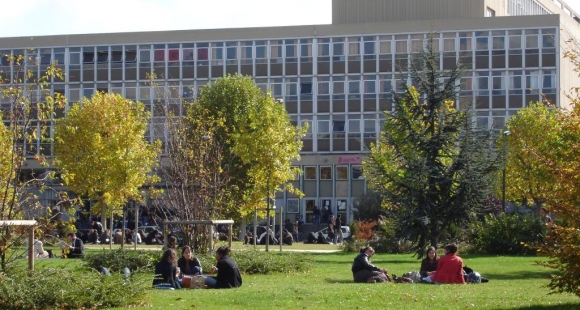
(350, 160)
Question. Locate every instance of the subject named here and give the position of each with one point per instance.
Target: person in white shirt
(38, 249)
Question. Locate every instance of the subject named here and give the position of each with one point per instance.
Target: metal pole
(30, 249)
(281, 231)
(136, 230)
(111, 232)
(267, 221)
(255, 228)
(505, 134)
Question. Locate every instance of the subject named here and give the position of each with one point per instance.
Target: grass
(515, 283)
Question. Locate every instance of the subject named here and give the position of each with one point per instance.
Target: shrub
(116, 260)
(66, 289)
(260, 262)
(506, 234)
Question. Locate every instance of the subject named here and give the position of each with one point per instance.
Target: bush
(260, 262)
(66, 289)
(506, 234)
(116, 260)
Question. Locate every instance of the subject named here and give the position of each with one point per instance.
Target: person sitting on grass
(311, 238)
(77, 249)
(37, 249)
(287, 238)
(429, 263)
(228, 273)
(364, 271)
(321, 239)
(166, 271)
(188, 264)
(450, 267)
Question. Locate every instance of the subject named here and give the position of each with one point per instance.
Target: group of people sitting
(287, 238)
(448, 269)
(312, 238)
(172, 271)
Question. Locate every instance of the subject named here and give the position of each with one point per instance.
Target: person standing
(545, 216)
(300, 228)
(98, 226)
(77, 249)
(228, 273)
(316, 216)
(331, 224)
(338, 229)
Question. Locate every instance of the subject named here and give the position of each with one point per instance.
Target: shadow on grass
(341, 281)
(552, 307)
(517, 275)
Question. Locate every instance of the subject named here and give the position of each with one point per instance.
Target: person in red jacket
(450, 267)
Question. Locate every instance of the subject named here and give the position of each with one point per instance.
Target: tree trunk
(104, 218)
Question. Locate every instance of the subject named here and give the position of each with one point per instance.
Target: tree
(432, 167)
(534, 127)
(561, 160)
(101, 150)
(234, 147)
(28, 109)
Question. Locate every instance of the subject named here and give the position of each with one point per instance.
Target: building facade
(338, 78)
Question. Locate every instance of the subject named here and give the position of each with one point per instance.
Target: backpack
(413, 275)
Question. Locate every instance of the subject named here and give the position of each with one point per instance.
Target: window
(338, 51)
(88, 57)
(357, 173)
(354, 85)
(144, 56)
(370, 84)
(202, 53)
(498, 83)
(323, 87)
(173, 55)
(310, 173)
(489, 12)
(532, 81)
(102, 57)
(116, 56)
(338, 126)
(341, 172)
(291, 89)
(326, 173)
(276, 90)
(187, 54)
(159, 55)
(130, 55)
(306, 88)
(515, 82)
(324, 50)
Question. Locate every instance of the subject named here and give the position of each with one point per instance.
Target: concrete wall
(368, 11)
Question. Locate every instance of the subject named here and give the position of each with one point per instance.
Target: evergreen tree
(432, 166)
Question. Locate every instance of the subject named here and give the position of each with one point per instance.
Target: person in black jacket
(228, 274)
(429, 263)
(188, 264)
(77, 249)
(166, 270)
(364, 271)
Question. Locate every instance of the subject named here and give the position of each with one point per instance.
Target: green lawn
(515, 283)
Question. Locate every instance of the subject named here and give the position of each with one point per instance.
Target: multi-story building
(339, 78)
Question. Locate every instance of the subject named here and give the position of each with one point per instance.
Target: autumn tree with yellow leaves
(28, 110)
(101, 150)
(234, 148)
